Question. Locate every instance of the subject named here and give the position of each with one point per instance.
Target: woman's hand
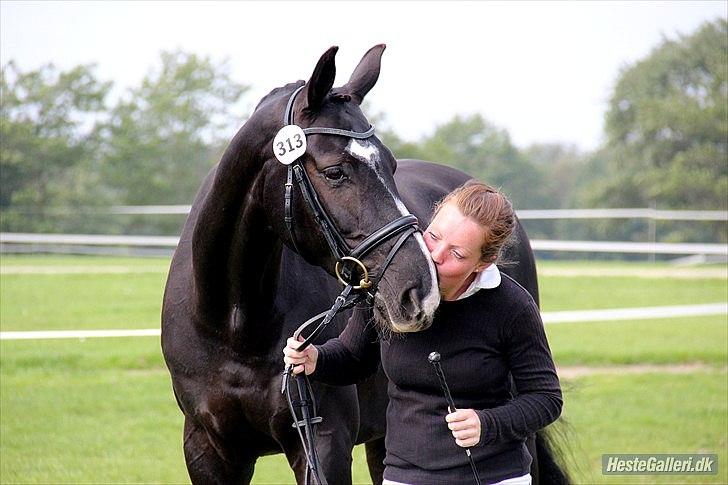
(465, 427)
(307, 357)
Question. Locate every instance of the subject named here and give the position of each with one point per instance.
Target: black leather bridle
(405, 224)
(348, 264)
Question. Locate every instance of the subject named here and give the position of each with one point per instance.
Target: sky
(542, 70)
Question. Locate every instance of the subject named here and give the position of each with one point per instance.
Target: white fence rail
(27, 242)
(629, 247)
(663, 215)
(577, 316)
(612, 213)
(7, 238)
(150, 209)
(88, 239)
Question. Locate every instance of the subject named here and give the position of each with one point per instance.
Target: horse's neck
(230, 245)
(236, 268)
(253, 279)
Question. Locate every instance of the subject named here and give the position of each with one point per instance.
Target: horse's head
(353, 181)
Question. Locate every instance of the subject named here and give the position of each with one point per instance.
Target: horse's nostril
(411, 303)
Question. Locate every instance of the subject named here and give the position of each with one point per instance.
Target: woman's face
(454, 242)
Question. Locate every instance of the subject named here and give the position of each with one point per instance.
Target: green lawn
(97, 411)
(101, 410)
(133, 300)
(81, 301)
(649, 413)
(587, 293)
(674, 340)
(13, 260)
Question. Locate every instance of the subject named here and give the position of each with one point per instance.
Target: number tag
(289, 144)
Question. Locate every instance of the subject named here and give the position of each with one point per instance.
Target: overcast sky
(542, 70)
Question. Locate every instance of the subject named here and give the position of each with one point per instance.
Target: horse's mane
(276, 92)
(334, 95)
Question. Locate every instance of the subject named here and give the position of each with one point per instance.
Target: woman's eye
(458, 256)
(334, 174)
(432, 236)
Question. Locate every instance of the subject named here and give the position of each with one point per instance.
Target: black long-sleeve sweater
(482, 339)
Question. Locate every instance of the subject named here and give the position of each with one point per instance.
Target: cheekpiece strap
(288, 115)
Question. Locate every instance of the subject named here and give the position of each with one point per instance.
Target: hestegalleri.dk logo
(667, 464)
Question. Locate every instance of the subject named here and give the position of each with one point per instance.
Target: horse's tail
(550, 452)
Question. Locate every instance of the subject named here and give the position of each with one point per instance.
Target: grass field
(101, 410)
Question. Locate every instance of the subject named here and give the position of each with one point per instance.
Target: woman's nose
(436, 252)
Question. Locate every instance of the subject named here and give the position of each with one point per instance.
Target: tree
(163, 138)
(477, 147)
(48, 141)
(667, 126)
(486, 152)
(667, 134)
(563, 170)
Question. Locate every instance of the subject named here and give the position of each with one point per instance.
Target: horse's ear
(322, 79)
(365, 75)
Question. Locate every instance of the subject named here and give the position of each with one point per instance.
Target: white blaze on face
(368, 153)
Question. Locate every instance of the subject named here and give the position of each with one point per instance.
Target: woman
(487, 329)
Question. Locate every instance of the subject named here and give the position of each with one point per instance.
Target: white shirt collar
(490, 278)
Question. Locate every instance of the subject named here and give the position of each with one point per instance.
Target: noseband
(348, 262)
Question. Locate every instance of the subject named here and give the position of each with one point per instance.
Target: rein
(348, 260)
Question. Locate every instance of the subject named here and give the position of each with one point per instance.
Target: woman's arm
(347, 359)
(539, 399)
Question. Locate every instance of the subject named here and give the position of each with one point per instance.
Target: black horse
(237, 288)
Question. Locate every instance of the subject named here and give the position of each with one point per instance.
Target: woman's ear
(482, 266)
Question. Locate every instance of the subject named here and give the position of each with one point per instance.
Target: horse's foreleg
(531, 445)
(333, 450)
(334, 436)
(334, 453)
(338, 431)
(375, 460)
(208, 462)
(297, 461)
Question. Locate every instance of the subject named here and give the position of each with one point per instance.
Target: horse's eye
(334, 174)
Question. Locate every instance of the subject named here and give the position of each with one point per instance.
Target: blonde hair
(488, 207)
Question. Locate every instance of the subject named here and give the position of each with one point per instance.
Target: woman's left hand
(465, 427)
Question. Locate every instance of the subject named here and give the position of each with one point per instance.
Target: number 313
(282, 147)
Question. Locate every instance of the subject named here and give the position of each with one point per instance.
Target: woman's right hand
(307, 357)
